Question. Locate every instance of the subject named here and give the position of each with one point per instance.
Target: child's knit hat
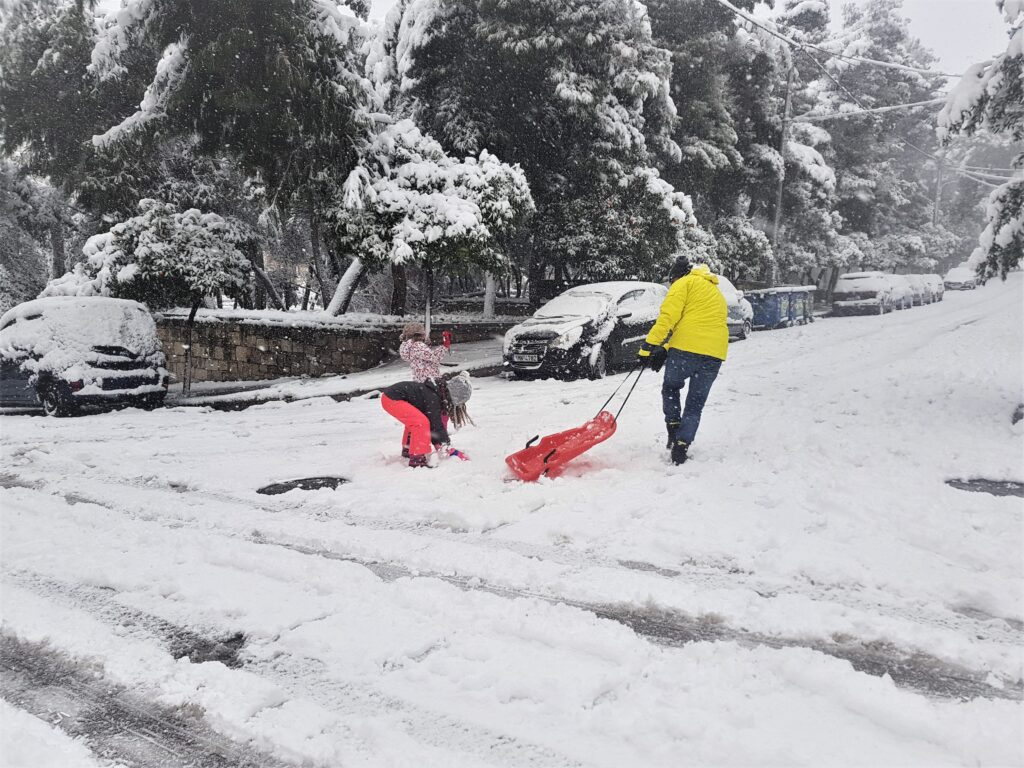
(460, 389)
(414, 330)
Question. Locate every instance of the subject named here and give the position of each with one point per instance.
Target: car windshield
(575, 304)
(852, 283)
(959, 273)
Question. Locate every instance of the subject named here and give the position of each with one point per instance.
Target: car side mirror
(624, 315)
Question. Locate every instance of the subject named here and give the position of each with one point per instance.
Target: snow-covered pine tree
(878, 158)
(991, 96)
(275, 85)
(576, 93)
(410, 203)
(49, 105)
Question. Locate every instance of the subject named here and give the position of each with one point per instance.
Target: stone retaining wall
(229, 350)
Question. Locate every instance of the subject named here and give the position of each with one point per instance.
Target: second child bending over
(424, 359)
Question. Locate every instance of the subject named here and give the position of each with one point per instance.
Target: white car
(937, 287)
(586, 331)
(66, 352)
(863, 292)
(902, 291)
(960, 279)
(922, 290)
(741, 312)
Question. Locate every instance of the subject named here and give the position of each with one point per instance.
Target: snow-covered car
(960, 279)
(935, 283)
(586, 331)
(922, 290)
(741, 313)
(863, 292)
(902, 291)
(66, 352)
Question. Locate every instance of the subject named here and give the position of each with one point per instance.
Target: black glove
(652, 356)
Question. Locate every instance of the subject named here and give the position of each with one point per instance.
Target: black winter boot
(679, 450)
(671, 427)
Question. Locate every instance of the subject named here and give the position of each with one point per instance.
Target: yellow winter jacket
(693, 316)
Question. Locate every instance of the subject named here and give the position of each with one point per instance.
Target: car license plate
(526, 358)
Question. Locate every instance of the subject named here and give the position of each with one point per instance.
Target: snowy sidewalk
(481, 358)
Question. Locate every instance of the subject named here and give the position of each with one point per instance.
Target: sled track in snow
(303, 678)
(116, 724)
(914, 670)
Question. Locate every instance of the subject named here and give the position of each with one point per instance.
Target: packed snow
(454, 617)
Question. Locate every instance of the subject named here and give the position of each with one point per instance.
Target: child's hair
(460, 416)
(414, 331)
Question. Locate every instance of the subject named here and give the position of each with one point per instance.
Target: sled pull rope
(621, 383)
(629, 394)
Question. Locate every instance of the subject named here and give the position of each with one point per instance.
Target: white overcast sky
(960, 32)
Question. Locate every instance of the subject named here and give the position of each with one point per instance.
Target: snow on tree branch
(170, 72)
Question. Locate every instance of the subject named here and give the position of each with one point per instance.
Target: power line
(801, 47)
(811, 117)
(830, 54)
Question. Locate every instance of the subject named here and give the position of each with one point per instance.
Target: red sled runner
(552, 453)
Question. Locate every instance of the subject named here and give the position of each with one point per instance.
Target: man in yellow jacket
(690, 337)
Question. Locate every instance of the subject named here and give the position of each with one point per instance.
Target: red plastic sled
(552, 453)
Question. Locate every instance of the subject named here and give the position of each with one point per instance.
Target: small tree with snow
(163, 257)
(408, 202)
(991, 96)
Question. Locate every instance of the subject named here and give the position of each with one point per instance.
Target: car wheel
(747, 329)
(599, 368)
(54, 402)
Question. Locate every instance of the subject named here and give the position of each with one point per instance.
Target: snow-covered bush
(410, 202)
(161, 257)
(743, 250)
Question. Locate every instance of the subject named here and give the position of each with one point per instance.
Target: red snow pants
(417, 426)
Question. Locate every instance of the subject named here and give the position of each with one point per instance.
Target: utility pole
(776, 230)
(938, 189)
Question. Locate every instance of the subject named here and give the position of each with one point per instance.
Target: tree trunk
(186, 387)
(399, 289)
(326, 283)
(490, 287)
(314, 270)
(430, 299)
(58, 261)
(267, 286)
(346, 288)
(305, 296)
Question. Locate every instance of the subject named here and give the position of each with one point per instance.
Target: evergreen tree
(991, 96)
(575, 93)
(881, 191)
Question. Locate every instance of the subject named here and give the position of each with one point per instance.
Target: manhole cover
(303, 484)
(995, 487)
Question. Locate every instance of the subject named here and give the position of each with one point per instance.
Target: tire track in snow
(916, 671)
(300, 677)
(116, 724)
(910, 667)
(706, 574)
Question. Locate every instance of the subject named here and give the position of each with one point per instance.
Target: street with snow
(806, 590)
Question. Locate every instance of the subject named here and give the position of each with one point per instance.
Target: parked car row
(881, 292)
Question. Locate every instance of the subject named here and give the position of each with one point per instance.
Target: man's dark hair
(680, 268)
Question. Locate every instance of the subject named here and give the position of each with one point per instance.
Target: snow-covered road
(738, 610)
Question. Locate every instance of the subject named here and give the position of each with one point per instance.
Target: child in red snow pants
(417, 426)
